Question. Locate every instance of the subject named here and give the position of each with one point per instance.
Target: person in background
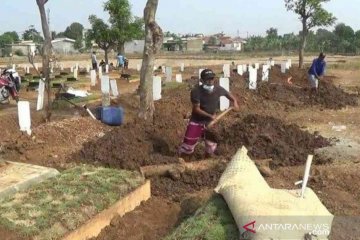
(205, 100)
(120, 61)
(94, 61)
(316, 73)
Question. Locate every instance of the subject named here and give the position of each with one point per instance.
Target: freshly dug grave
(267, 137)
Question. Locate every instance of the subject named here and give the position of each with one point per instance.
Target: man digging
(205, 102)
(316, 72)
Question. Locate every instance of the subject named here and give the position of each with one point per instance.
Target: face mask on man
(208, 88)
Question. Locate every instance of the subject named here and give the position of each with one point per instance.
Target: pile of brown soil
(268, 137)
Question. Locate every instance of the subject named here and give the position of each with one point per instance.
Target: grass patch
(213, 221)
(59, 205)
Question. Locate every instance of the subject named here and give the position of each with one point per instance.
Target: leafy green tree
(103, 35)
(74, 31)
(32, 34)
(125, 26)
(357, 41)
(13, 35)
(311, 14)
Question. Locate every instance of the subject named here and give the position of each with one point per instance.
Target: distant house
(194, 45)
(135, 46)
(23, 47)
(229, 44)
(64, 46)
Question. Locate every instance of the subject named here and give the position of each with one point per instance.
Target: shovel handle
(220, 116)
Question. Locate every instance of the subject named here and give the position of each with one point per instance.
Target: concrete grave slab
(15, 177)
(224, 102)
(156, 88)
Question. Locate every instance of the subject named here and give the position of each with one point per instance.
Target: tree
(312, 14)
(46, 54)
(102, 34)
(74, 31)
(124, 24)
(344, 38)
(357, 41)
(153, 42)
(31, 34)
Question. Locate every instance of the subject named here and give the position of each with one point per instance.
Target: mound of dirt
(268, 137)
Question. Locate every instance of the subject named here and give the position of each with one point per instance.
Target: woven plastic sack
(265, 213)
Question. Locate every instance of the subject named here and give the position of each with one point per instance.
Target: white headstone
(156, 88)
(155, 68)
(272, 63)
(107, 68)
(100, 73)
(200, 70)
(265, 73)
(179, 78)
(240, 70)
(163, 68)
(245, 69)
(114, 88)
(88, 68)
(24, 116)
(77, 65)
(27, 69)
(138, 67)
(168, 74)
(252, 78)
(257, 66)
(105, 84)
(224, 102)
(61, 67)
(283, 67)
(71, 69)
(14, 67)
(75, 73)
(93, 77)
(41, 92)
(52, 69)
(36, 66)
(289, 63)
(182, 67)
(226, 70)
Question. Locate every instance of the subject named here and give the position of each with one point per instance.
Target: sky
(233, 17)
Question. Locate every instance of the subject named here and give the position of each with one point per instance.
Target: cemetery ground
(278, 121)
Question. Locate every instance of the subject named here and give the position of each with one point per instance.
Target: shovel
(219, 117)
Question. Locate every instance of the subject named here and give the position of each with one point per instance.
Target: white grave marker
(105, 89)
(163, 68)
(75, 73)
(138, 67)
(24, 116)
(289, 63)
(77, 65)
(41, 91)
(114, 88)
(93, 77)
(265, 73)
(200, 70)
(61, 67)
(107, 68)
(179, 78)
(283, 67)
(100, 73)
(168, 74)
(27, 69)
(182, 67)
(36, 66)
(257, 66)
(88, 68)
(14, 67)
(156, 88)
(272, 63)
(224, 102)
(226, 70)
(240, 70)
(245, 69)
(71, 69)
(252, 78)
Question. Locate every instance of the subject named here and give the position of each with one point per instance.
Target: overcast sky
(184, 16)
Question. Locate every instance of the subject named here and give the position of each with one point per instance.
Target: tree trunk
(46, 54)
(121, 48)
(106, 55)
(153, 42)
(303, 44)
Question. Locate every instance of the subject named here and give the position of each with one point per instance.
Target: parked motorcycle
(10, 83)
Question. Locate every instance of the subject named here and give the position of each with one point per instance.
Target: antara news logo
(314, 229)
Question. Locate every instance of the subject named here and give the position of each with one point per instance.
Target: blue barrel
(112, 116)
